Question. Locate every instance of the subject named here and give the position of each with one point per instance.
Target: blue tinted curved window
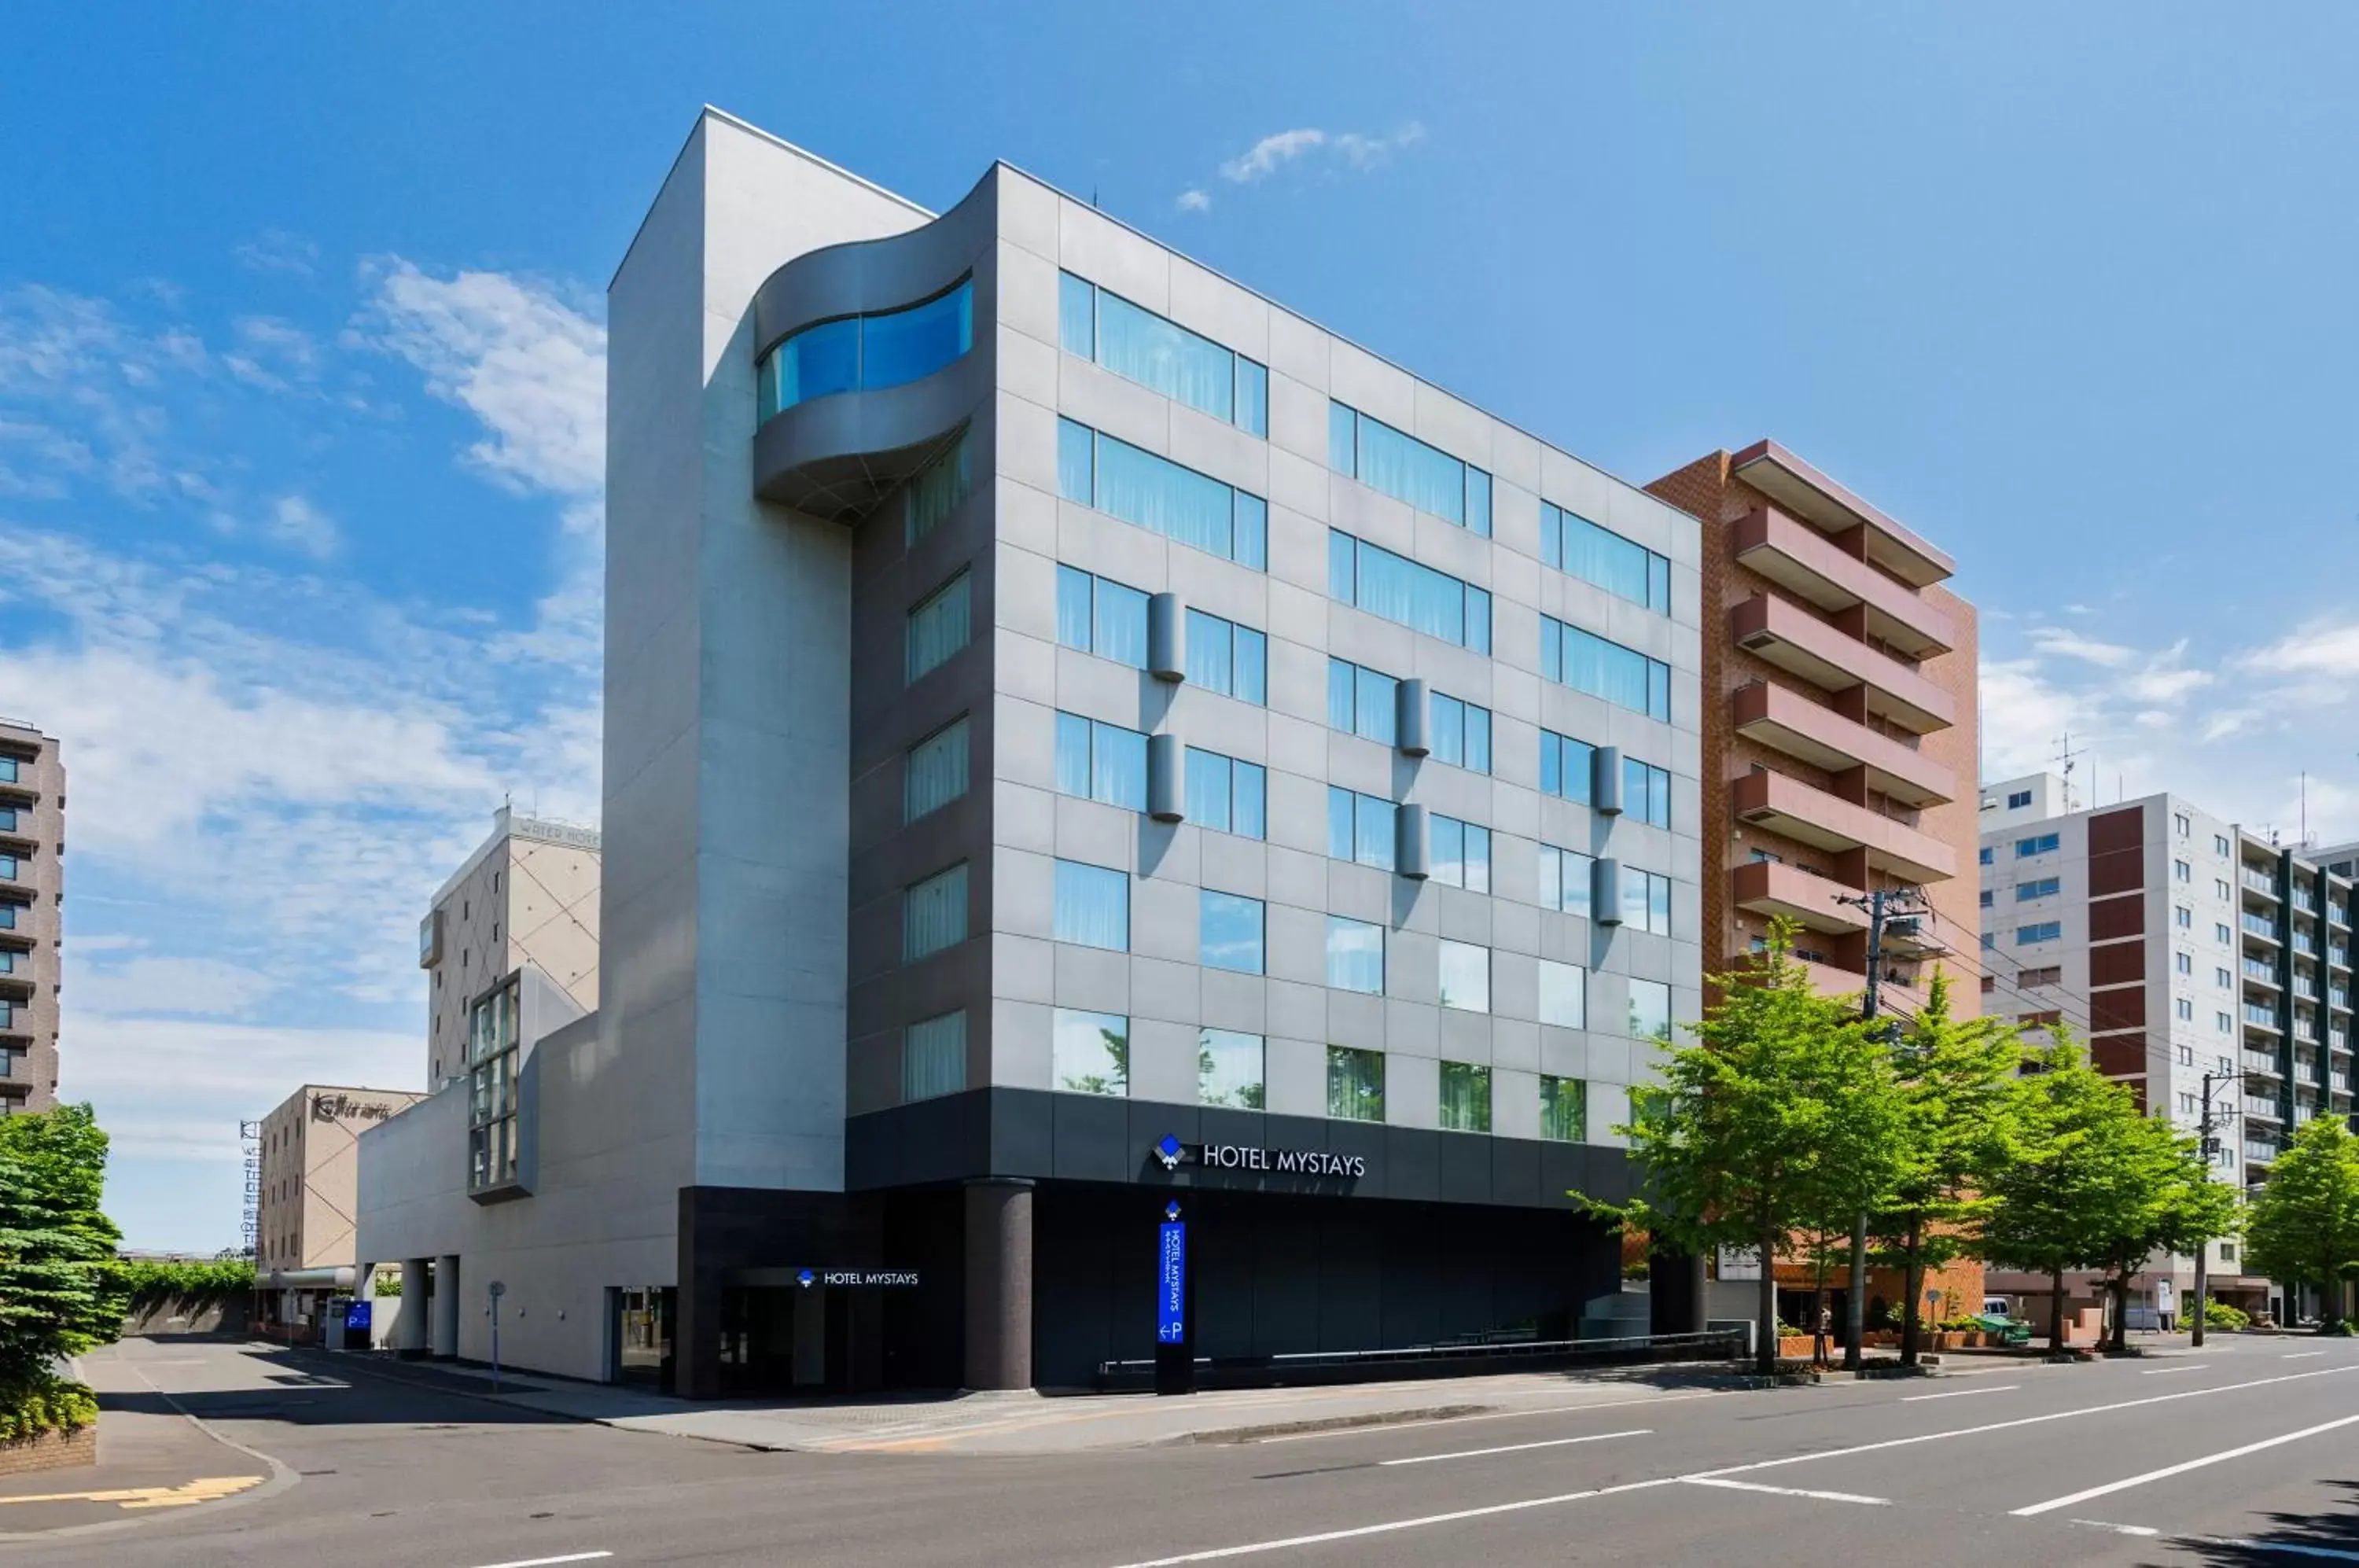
(864, 354)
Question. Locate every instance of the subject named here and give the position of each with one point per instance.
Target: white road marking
(1254, 1547)
(2025, 1421)
(1376, 1428)
(1961, 1393)
(2120, 1528)
(2300, 1355)
(1518, 1447)
(2167, 1371)
(2181, 1469)
(1788, 1491)
(2276, 1546)
(545, 1562)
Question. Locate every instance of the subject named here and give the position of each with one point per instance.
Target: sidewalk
(1025, 1422)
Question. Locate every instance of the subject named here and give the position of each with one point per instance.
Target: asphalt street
(2246, 1452)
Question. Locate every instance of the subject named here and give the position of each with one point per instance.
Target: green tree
(2171, 1203)
(2305, 1223)
(1956, 1080)
(1775, 1122)
(60, 1293)
(2057, 1174)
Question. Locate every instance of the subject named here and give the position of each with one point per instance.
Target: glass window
(1646, 901)
(2043, 930)
(1089, 1053)
(1563, 995)
(1362, 700)
(1355, 1084)
(1459, 732)
(1564, 1110)
(2040, 845)
(1356, 955)
(1142, 346)
(1093, 906)
(2038, 887)
(1399, 590)
(1605, 559)
(1098, 761)
(1460, 854)
(1650, 1009)
(1647, 791)
(7, 769)
(1077, 315)
(8, 813)
(1587, 662)
(8, 916)
(1565, 880)
(1568, 766)
(1408, 469)
(1253, 397)
(1360, 828)
(1984, 857)
(1225, 794)
(938, 627)
(933, 914)
(493, 1052)
(1465, 1097)
(1465, 977)
(1162, 497)
(854, 353)
(1230, 933)
(1226, 658)
(1099, 615)
(1229, 1069)
(938, 489)
(934, 1057)
(935, 772)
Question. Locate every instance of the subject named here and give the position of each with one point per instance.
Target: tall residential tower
(32, 890)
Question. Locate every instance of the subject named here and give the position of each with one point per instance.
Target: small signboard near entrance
(1172, 1283)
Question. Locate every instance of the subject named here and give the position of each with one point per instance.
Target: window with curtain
(1399, 590)
(1564, 880)
(1573, 544)
(1099, 615)
(1356, 955)
(1459, 733)
(1099, 761)
(1229, 1069)
(1563, 995)
(1089, 1053)
(938, 489)
(867, 353)
(1406, 469)
(1355, 1084)
(1229, 931)
(1564, 1110)
(935, 772)
(1647, 791)
(1093, 906)
(938, 627)
(1153, 493)
(933, 913)
(1362, 702)
(1465, 1097)
(1567, 767)
(1459, 853)
(1622, 676)
(1650, 1009)
(934, 1057)
(1231, 659)
(1140, 346)
(1225, 794)
(1465, 976)
(1360, 828)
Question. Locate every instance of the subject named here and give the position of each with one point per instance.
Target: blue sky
(301, 386)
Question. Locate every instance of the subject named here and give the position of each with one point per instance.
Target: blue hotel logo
(1170, 1151)
(1239, 1157)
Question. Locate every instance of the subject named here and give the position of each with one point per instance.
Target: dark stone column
(1675, 1285)
(999, 1284)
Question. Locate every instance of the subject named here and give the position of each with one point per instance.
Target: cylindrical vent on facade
(1605, 891)
(1409, 720)
(1165, 760)
(1167, 637)
(1409, 858)
(1605, 780)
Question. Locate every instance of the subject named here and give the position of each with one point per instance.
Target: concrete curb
(1320, 1423)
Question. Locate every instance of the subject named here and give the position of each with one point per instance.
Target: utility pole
(1880, 905)
(2206, 1127)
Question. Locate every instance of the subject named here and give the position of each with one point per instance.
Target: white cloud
(530, 367)
(276, 250)
(1353, 149)
(203, 986)
(298, 524)
(1194, 200)
(1265, 156)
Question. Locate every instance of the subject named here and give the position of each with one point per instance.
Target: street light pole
(1879, 904)
(2205, 1128)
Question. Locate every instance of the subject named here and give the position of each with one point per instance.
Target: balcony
(1768, 888)
(1790, 722)
(2265, 1110)
(1805, 493)
(1792, 809)
(2259, 972)
(2260, 1151)
(2262, 1018)
(1799, 643)
(1808, 565)
(2264, 1063)
(2259, 926)
(1825, 978)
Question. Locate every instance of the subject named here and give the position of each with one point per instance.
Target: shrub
(153, 1281)
(45, 1404)
(2218, 1314)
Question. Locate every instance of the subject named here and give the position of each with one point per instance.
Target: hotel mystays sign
(1245, 1157)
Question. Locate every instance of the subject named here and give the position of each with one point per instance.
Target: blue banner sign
(1171, 1285)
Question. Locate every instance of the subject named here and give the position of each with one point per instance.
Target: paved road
(2180, 1460)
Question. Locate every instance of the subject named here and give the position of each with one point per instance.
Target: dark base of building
(1040, 1273)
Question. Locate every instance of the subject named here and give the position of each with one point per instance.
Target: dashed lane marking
(1787, 1491)
(1519, 1447)
(1961, 1393)
(2180, 1469)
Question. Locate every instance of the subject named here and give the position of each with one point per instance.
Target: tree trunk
(1912, 1282)
(1819, 1319)
(2056, 1311)
(2119, 1341)
(1764, 1355)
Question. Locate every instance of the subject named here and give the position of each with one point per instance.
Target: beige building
(310, 1174)
(32, 889)
(528, 898)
